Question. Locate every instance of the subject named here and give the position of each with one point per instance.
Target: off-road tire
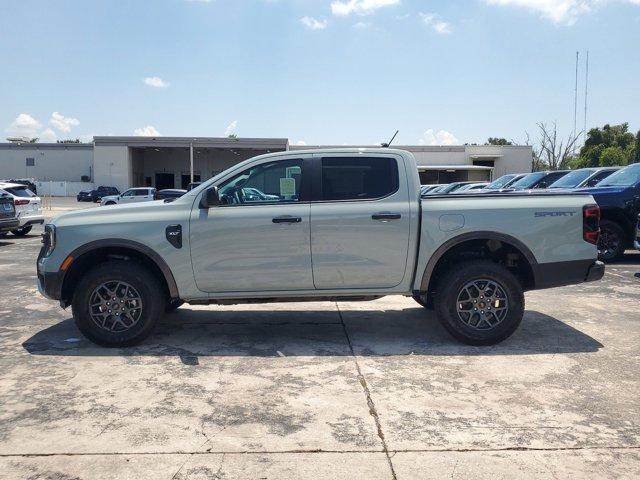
(611, 232)
(21, 232)
(137, 276)
(451, 285)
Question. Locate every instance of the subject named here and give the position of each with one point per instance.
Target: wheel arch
(99, 251)
(500, 246)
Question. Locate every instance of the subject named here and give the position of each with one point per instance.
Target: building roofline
(48, 146)
(215, 142)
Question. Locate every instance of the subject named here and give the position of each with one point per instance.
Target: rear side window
(358, 178)
(21, 192)
(141, 193)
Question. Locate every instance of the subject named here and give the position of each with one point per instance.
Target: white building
(171, 162)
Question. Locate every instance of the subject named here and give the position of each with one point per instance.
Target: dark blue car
(619, 199)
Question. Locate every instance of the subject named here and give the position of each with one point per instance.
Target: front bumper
(31, 220)
(9, 224)
(558, 274)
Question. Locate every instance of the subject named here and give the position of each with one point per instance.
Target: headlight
(48, 239)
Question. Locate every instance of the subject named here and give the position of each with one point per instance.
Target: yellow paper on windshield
(287, 187)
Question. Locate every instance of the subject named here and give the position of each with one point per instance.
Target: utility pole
(586, 89)
(191, 161)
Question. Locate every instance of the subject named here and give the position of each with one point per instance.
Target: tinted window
(358, 178)
(141, 193)
(265, 183)
(528, 180)
(21, 192)
(500, 182)
(598, 177)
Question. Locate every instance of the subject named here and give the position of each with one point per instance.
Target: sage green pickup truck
(334, 224)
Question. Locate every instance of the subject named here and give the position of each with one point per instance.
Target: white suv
(28, 207)
(142, 194)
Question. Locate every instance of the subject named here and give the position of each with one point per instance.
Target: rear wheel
(611, 243)
(117, 304)
(110, 203)
(21, 232)
(480, 303)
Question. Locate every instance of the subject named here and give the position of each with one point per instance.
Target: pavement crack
(367, 392)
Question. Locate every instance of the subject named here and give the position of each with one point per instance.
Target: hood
(115, 213)
(602, 190)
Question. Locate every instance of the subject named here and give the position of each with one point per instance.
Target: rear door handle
(386, 216)
(286, 219)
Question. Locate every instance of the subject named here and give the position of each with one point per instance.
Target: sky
(316, 71)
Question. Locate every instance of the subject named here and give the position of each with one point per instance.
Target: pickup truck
(338, 224)
(619, 199)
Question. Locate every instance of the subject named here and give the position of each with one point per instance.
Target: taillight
(591, 223)
(20, 202)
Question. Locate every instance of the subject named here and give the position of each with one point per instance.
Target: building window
(31, 162)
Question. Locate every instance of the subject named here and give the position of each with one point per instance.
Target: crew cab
(337, 224)
(619, 199)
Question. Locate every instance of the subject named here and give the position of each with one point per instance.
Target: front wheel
(611, 241)
(21, 232)
(479, 303)
(117, 304)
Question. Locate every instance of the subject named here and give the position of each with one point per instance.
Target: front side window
(358, 178)
(276, 182)
(128, 193)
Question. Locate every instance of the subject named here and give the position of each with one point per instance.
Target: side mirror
(210, 198)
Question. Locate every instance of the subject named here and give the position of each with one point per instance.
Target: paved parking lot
(321, 390)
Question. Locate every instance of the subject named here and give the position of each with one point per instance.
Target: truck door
(360, 221)
(257, 240)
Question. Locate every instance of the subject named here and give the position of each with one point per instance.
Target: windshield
(623, 178)
(499, 182)
(528, 180)
(572, 179)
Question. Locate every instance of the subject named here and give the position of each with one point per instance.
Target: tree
(498, 141)
(600, 139)
(69, 140)
(33, 140)
(612, 156)
(636, 156)
(555, 152)
(232, 135)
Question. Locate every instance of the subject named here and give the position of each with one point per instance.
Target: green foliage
(636, 156)
(608, 146)
(498, 141)
(613, 156)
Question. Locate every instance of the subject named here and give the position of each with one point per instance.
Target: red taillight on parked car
(591, 223)
(20, 202)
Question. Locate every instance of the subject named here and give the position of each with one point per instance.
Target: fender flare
(138, 247)
(479, 235)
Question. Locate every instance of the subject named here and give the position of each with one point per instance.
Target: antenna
(586, 87)
(386, 145)
(575, 98)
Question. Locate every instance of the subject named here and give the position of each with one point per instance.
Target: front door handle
(286, 219)
(384, 216)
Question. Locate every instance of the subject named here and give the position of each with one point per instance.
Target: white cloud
(313, 24)
(560, 12)
(24, 125)
(62, 123)
(231, 128)
(155, 82)
(361, 25)
(148, 131)
(360, 7)
(47, 136)
(435, 23)
(441, 137)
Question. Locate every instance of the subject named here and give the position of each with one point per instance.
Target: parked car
(27, 205)
(357, 212)
(424, 189)
(636, 243)
(133, 195)
(452, 187)
(503, 182)
(619, 199)
(537, 180)
(471, 187)
(8, 219)
(584, 177)
(96, 194)
(170, 193)
(27, 182)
